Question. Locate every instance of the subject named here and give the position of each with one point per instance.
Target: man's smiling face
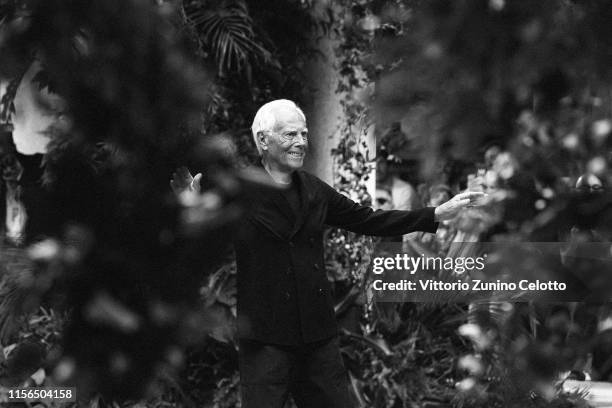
(288, 142)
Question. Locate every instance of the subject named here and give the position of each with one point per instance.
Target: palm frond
(226, 30)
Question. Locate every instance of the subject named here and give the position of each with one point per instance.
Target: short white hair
(265, 118)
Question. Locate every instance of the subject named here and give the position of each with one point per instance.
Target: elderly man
(286, 322)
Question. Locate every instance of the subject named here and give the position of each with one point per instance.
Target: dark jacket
(284, 296)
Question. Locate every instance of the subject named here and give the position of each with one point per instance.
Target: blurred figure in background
(383, 199)
(403, 195)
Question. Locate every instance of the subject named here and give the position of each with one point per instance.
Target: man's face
(287, 143)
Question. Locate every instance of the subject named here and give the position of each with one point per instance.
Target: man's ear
(263, 140)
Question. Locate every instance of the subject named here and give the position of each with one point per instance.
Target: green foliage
(415, 361)
(225, 30)
(460, 75)
(477, 69)
(129, 256)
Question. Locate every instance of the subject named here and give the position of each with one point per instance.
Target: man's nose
(300, 140)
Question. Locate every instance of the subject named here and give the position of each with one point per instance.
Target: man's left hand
(452, 207)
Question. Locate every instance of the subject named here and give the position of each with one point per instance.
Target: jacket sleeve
(345, 213)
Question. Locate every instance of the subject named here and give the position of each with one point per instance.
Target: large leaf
(226, 30)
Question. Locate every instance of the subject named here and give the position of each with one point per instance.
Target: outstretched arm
(345, 213)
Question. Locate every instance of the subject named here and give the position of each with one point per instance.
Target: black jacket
(283, 292)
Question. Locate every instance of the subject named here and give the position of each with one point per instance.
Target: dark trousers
(312, 373)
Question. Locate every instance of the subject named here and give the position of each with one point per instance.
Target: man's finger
(196, 182)
(464, 202)
(471, 194)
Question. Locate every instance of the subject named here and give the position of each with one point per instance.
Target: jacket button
(320, 292)
(316, 266)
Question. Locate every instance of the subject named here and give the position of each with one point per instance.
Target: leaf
(227, 30)
(377, 344)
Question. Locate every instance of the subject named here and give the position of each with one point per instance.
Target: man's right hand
(183, 182)
(452, 207)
